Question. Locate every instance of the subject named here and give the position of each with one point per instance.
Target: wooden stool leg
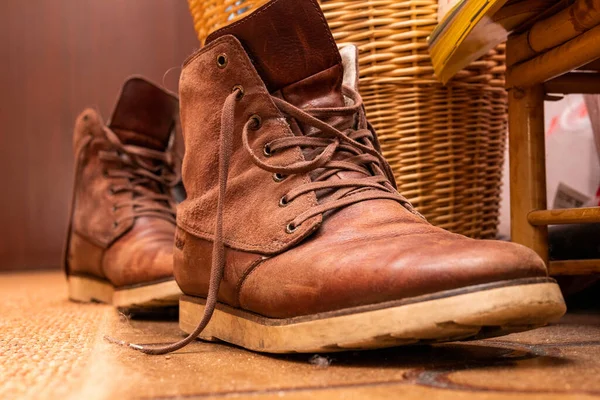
(527, 166)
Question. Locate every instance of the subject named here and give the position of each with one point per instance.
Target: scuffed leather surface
(373, 252)
(253, 219)
(282, 54)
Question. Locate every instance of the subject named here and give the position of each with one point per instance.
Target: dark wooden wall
(56, 58)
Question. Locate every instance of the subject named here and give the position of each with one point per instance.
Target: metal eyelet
(277, 177)
(255, 122)
(105, 173)
(283, 202)
(291, 228)
(115, 224)
(222, 60)
(111, 190)
(240, 93)
(267, 151)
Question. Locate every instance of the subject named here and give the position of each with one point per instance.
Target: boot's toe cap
(456, 264)
(349, 274)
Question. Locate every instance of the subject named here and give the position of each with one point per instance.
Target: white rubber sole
(161, 294)
(469, 313)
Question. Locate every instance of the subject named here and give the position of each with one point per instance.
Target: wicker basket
(445, 144)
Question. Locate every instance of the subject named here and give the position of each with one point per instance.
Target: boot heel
(88, 290)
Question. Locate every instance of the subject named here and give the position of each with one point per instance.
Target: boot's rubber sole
(473, 312)
(150, 295)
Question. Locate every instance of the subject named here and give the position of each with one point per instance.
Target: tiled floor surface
(52, 348)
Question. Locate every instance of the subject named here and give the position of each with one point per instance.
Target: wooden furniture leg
(527, 166)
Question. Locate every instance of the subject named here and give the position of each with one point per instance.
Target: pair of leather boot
(293, 237)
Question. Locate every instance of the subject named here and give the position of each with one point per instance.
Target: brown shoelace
(149, 174)
(322, 145)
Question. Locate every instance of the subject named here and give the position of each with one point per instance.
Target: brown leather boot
(293, 237)
(120, 241)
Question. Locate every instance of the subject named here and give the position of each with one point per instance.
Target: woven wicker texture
(445, 144)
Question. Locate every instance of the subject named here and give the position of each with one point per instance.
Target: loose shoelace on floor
(147, 172)
(325, 142)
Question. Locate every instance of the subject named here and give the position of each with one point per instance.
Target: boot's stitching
(247, 272)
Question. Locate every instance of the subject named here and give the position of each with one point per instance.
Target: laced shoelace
(322, 145)
(144, 170)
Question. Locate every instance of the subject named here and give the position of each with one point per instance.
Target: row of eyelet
(283, 201)
(256, 124)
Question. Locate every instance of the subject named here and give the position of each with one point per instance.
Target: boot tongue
(293, 50)
(145, 115)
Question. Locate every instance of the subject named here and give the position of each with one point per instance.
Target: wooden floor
(52, 348)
